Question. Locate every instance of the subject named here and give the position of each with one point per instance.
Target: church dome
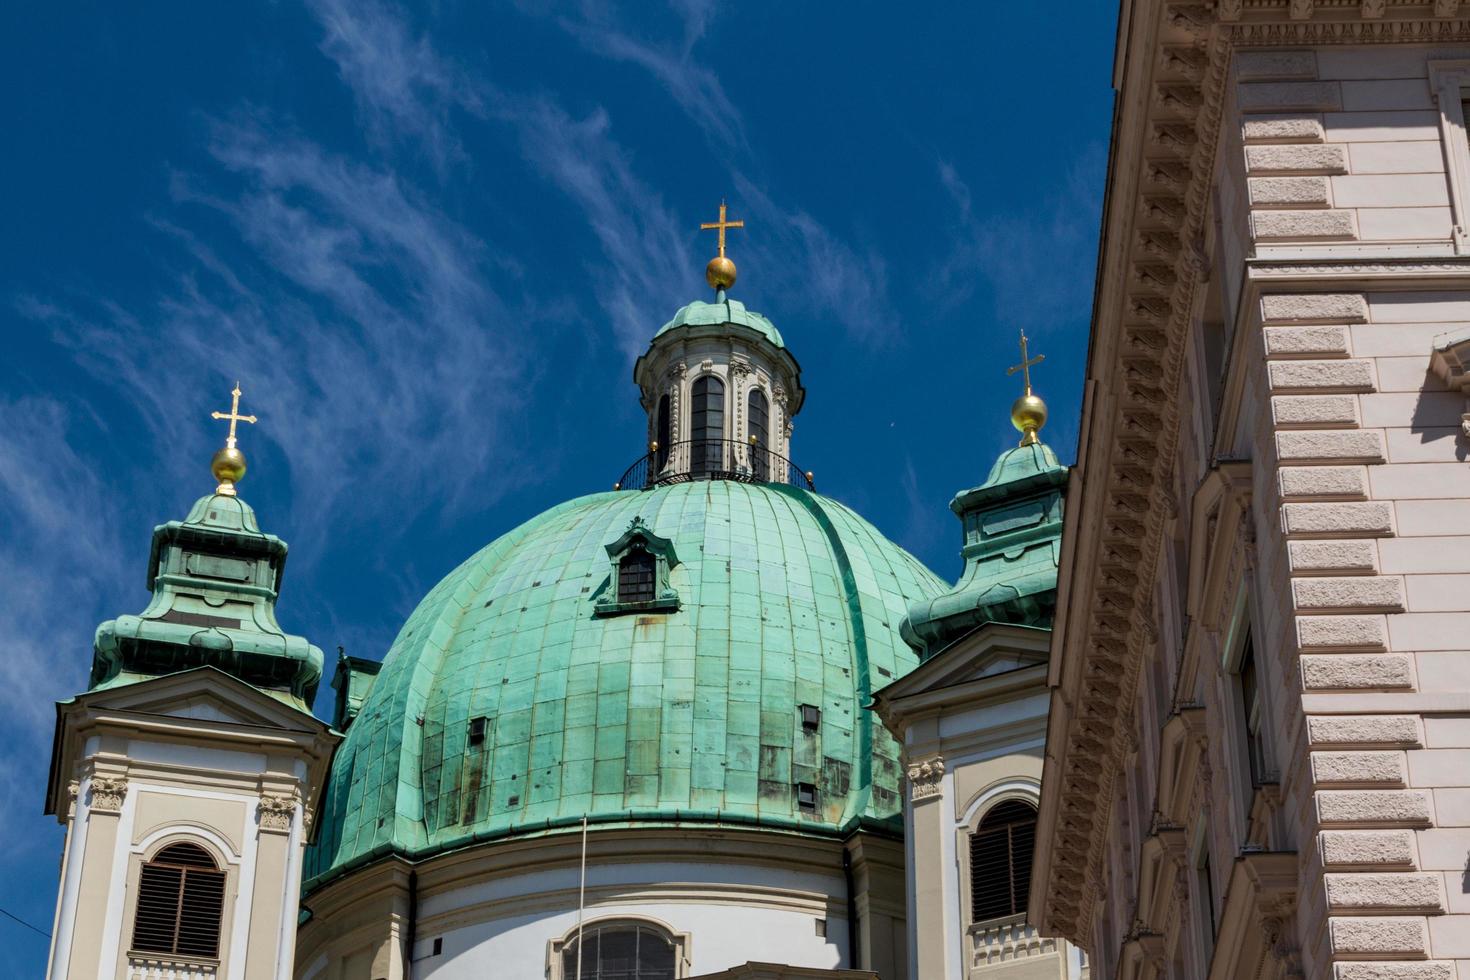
(519, 697)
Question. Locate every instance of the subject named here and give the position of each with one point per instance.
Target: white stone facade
(1259, 742)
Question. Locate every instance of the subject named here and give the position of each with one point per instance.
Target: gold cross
(722, 224)
(234, 416)
(1025, 366)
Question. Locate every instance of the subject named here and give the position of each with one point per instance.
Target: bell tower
(720, 387)
(188, 773)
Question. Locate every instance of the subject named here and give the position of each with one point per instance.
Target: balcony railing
(161, 966)
(712, 459)
(1002, 940)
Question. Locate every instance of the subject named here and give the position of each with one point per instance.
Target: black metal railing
(712, 459)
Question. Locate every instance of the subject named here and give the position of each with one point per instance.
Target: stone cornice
(1174, 60)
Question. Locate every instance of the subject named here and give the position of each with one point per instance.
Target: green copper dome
(514, 701)
(723, 310)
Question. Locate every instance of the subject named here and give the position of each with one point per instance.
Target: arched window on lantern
(181, 895)
(707, 429)
(758, 419)
(1000, 861)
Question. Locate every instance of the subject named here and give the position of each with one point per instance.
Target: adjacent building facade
(1258, 749)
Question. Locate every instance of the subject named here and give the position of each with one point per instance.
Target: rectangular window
(636, 574)
(1249, 691)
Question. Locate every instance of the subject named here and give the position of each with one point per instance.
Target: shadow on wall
(1433, 419)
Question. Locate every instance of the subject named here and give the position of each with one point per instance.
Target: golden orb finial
(720, 273)
(1028, 413)
(228, 465)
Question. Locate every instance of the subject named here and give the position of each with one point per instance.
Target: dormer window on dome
(639, 577)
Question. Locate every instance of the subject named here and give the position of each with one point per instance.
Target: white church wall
(733, 913)
(721, 936)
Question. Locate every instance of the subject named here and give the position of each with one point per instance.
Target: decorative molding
(276, 813)
(108, 794)
(926, 779)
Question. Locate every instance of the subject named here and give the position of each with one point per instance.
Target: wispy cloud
(357, 313)
(645, 254)
(403, 88)
(59, 559)
(1039, 267)
(690, 82)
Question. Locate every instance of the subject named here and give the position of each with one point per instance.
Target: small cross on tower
(720, 226)
(228, 464)
(234, 416)
(1025, 366)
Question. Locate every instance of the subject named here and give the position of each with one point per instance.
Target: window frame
(225, 865)
(1449, 83)
(760, 436)
(681, 941)
(1015, 789)
(1017, 900)
(701, 459)
(607, 600)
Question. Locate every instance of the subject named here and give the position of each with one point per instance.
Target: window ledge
(661, 604)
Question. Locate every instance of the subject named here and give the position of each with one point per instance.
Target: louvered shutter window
(181, 896)
(1000, 862)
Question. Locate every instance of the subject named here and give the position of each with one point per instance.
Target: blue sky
(430, 242)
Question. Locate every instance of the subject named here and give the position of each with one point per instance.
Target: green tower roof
(784, 599)
(723, 310)
(1013, 529)
(214, 577)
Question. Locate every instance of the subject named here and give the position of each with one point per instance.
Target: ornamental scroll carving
(276, 813)
(926, 779)
(108, 793)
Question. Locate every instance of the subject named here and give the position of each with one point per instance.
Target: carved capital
(276, 813)
(926, 779)
(108, 793)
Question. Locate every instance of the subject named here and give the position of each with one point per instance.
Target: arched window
(708, 426)
(662, 435)
(637, 575)
(181, 897)
(1000, 861)
(758, 414)
(621, 951)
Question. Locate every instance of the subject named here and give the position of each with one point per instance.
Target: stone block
(1449, 937)
(1366, 807)
(1378, 935)
(1313, 341)
(1315, 634)
(1300, 446)
(1269, 226)
(1344, 672)
(1296, 158)
(1288, 192)
(1383, 768)
(1313, 307)
(1369, 517)
(1341, 375)
(1361, 592)
(1283, 96)
(1324, 481)
(1314, 410)
(1403, 891)
(1367, 848)
(1288, 127)
(1332, 556)
(1363, 730)
(1443, 849)
(1271, 64)
(1427, 970)
(1448, 768)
